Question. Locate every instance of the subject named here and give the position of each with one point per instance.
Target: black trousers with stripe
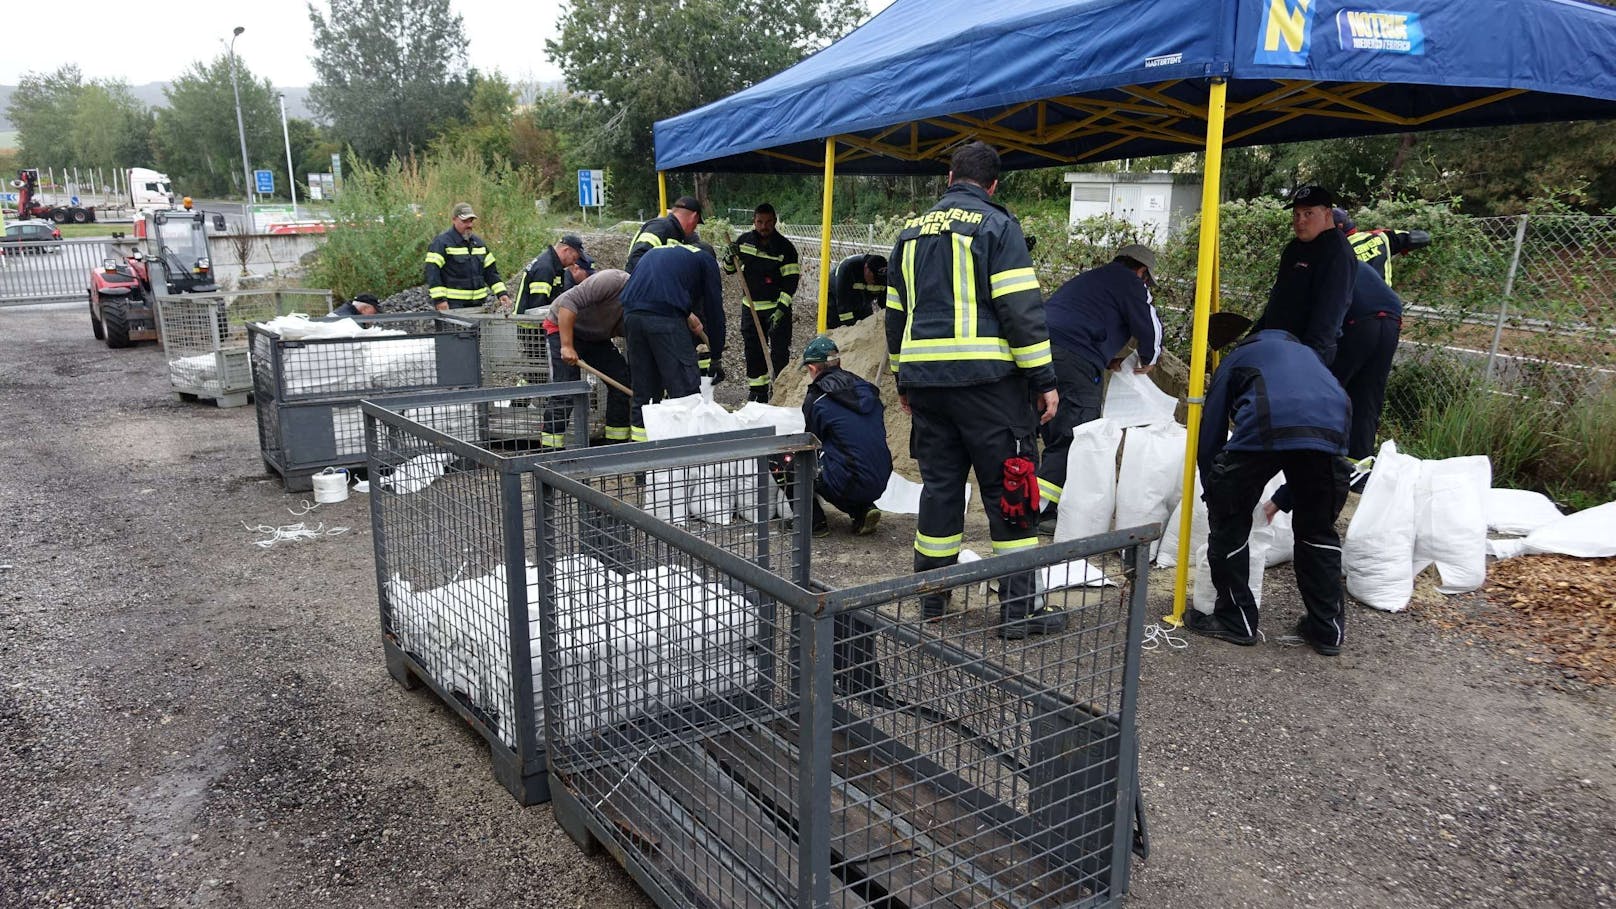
(1363, 360)
(1318, 486)
(1082, 395)
(757, 369)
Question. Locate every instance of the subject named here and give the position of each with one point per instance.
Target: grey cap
(463, 210)
(1144, 256)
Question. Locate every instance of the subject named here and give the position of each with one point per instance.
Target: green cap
(819, 350)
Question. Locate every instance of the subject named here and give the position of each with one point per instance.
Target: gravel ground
(189, 720)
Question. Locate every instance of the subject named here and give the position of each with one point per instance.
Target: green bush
(386, 217)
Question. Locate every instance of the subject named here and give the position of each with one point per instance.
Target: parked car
(22, 236)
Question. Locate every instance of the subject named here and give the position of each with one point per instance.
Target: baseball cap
(462, 210)
(1307, 196)
(877, 266)
(367, 298)
(1342, 219)
(586, 262)
(819, 350)
(1144, 256)
(573, 241)
(689, 203)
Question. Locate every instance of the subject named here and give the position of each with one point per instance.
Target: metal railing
(49, 272)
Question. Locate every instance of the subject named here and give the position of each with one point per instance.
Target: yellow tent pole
(1206, 270)
(662, 191)
(825, 265)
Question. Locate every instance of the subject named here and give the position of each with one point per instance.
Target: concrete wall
(267, 254)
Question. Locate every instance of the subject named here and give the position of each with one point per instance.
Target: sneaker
(1208, 626)
(864, 524)
(1320, 648)
(1040, 621)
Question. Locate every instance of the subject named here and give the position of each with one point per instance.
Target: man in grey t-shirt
(583, 321)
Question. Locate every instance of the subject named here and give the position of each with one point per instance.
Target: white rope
(291, 533)
(1157, 635)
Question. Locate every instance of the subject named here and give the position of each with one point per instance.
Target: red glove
(1019, 503)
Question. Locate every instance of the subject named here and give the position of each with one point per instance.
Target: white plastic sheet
(1588, 534)
(1378, 553)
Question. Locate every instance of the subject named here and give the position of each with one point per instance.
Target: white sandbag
(1076, 573)
(1588, 534)
(785, 420)
(1132, 399)
(1378, 552)
(1282, 542)
(1204, 595)
(417, 473)
(1151, 475)
(1518, 511)
(1450, 521)
(401, 363)
(1089, 498)
(1167, 553)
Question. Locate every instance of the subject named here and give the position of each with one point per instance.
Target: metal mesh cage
(453, 507)
(307, 392)
(742, 741)
(514, 353)
(205, 336)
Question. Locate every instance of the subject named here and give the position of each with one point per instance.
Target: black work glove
(716, 373)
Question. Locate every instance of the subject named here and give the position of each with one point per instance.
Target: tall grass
(386, 217)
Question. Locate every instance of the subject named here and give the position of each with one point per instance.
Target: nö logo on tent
(1287, 32)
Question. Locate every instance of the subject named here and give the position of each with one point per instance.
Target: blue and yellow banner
(1287, 33)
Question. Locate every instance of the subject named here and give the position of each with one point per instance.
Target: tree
(487, 127)
(697, 52)
(62, 120)
(390, 74)
(197, 142)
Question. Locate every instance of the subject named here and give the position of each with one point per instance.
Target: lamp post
(241, 130)
(291, 178)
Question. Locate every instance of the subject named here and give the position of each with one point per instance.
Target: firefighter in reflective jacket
(1376, 247)
(672, 229)
(771, 271)
(460, 270)
(968, 343)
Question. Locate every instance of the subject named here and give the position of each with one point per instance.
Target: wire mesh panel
(450, 506)
(742, 741)
(514, 353)
(205, 336)
(307, 392)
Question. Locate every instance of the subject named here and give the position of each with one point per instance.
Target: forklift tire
(116, 319)
(95, 323)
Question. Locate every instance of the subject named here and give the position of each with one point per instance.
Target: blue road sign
(591, 188)
(265, 180)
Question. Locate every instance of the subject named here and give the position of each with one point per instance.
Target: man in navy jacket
(845, 413)
(674, 292)
(1288, 413)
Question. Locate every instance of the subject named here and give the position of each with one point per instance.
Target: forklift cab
(177, 253)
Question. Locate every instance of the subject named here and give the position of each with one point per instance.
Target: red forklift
(167, 255)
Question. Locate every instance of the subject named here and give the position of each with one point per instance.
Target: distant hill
(151, 95)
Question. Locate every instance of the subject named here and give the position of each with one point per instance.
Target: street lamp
(241, 130)
(291, 179)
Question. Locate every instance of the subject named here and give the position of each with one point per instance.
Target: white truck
(149, 191)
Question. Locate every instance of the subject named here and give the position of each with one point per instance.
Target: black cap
(367, 298)
(689, 203)
(877, 265)
(1307, 196)
(1342, 219)
(573, 241)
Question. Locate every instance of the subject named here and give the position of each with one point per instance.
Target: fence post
(1509, 289)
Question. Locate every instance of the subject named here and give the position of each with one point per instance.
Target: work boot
(1047, 520)
(1022, 610)
(934, 606)
(1208, 626)
(864, 523)
(1319, 647)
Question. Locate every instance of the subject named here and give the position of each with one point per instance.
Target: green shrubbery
(386, 216)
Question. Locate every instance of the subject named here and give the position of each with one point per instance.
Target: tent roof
(1072, 81)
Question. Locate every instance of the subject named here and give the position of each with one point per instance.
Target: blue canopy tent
(1053, 82)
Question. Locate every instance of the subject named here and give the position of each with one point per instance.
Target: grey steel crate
(737, 739)
(205, 337)
(514, 353)
(308, 392)
(453, 556)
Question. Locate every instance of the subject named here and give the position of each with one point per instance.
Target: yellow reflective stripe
(1049, 491)
(488, 260)
(646, 236)
(617, 433)
(437, 291)
(757, 381)
(932, 350)
(894, 300)
(1012, 545)
(964, 288)
(434, 258)
(892, 363)
(764, 305)
(785, 299)
(847, 318)
(1014, 280)
(552, 440)
(704, 363)
(498, 288)
(638, 434)
(456, 293)
(940, 547)
(1033, 355)
(790, 269)
(456, 251)
(539, 287)
(748, 249)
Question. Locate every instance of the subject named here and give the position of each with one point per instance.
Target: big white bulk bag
(1378, 553)
(1151, 475)
(1450, 521)
(1090, 494)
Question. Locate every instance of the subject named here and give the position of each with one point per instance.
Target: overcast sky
(155, 42)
